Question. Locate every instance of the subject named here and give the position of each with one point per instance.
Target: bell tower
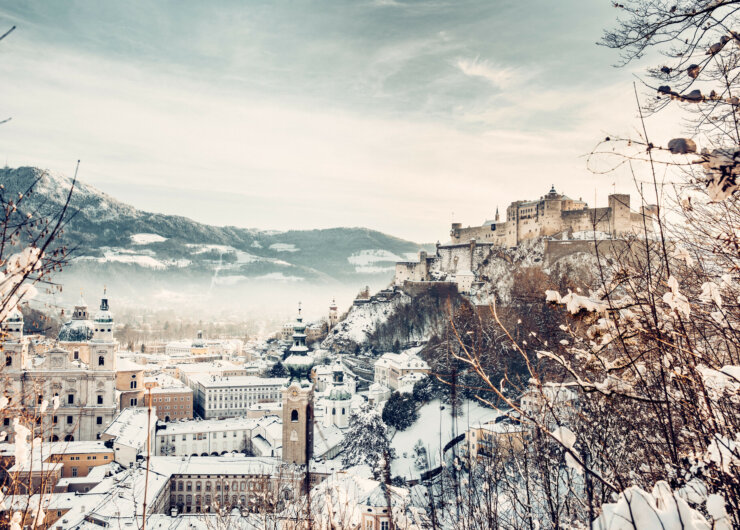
(103, 345)
(298, 414)
(14, 344)
(333, 316)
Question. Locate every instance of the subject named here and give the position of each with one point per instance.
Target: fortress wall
(453, 258)
(583, 220)
(410, 271)
(481, 233)
(555, 250)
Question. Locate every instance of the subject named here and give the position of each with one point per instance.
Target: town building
(129, 433)
(204, 437)
(216, 396)
(494, 440)
(390, 368)
(172, 399)
(129, 383)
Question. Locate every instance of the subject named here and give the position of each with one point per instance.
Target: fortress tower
(298, 416)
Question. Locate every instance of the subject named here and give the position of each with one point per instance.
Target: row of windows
(234, 486)
(204, 436)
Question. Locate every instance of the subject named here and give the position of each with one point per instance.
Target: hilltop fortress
(554, 216)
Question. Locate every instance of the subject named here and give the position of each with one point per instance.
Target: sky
(395, 115)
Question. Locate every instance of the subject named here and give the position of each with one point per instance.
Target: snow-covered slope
(108, 233)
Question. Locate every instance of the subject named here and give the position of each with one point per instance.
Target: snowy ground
(434, 428)
(146, 238)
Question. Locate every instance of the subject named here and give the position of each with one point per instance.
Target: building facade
(74, 399)
(391, 368)
(231, 396)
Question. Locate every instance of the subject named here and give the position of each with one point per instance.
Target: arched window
(8, 360)
(101, 360)
(133, 384)
(294, 415)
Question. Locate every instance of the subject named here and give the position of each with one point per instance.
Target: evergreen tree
(366, 440)
(400, 411)
(278, 370)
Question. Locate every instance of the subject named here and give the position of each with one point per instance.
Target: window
(74, 471)
(294, 415)
(133, 384)
(383, 525)
(101, 360)
(8, 360)
(54, 420)
(100, 399)
(76, 355)
(70, 399)
(70, 420)
(99, 420)
(134, 402)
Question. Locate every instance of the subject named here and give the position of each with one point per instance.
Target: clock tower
(298, 417)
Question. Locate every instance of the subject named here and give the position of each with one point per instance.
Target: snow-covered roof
(405, 360)
(123, 364)
(193, 426)
(129, 428)
(216, 381)
(326, 438)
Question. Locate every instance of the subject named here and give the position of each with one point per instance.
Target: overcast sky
(390, 114)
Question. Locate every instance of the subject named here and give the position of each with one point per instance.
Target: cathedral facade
(68, 398)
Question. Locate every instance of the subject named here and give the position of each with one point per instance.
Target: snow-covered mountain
(115, 240)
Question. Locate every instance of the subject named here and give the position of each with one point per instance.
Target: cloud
(499, 76)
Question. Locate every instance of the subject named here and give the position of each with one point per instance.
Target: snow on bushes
(637, 509)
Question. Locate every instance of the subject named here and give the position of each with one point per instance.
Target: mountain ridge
(111, 238)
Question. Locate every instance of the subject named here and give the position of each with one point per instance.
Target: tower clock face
(294, 393)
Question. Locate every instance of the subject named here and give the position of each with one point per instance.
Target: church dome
(339, 394)
(76, 331)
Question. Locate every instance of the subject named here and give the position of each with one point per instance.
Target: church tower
(333, 316)
(339, 400)
(298, 416)
(103, 345)
(14, 345)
